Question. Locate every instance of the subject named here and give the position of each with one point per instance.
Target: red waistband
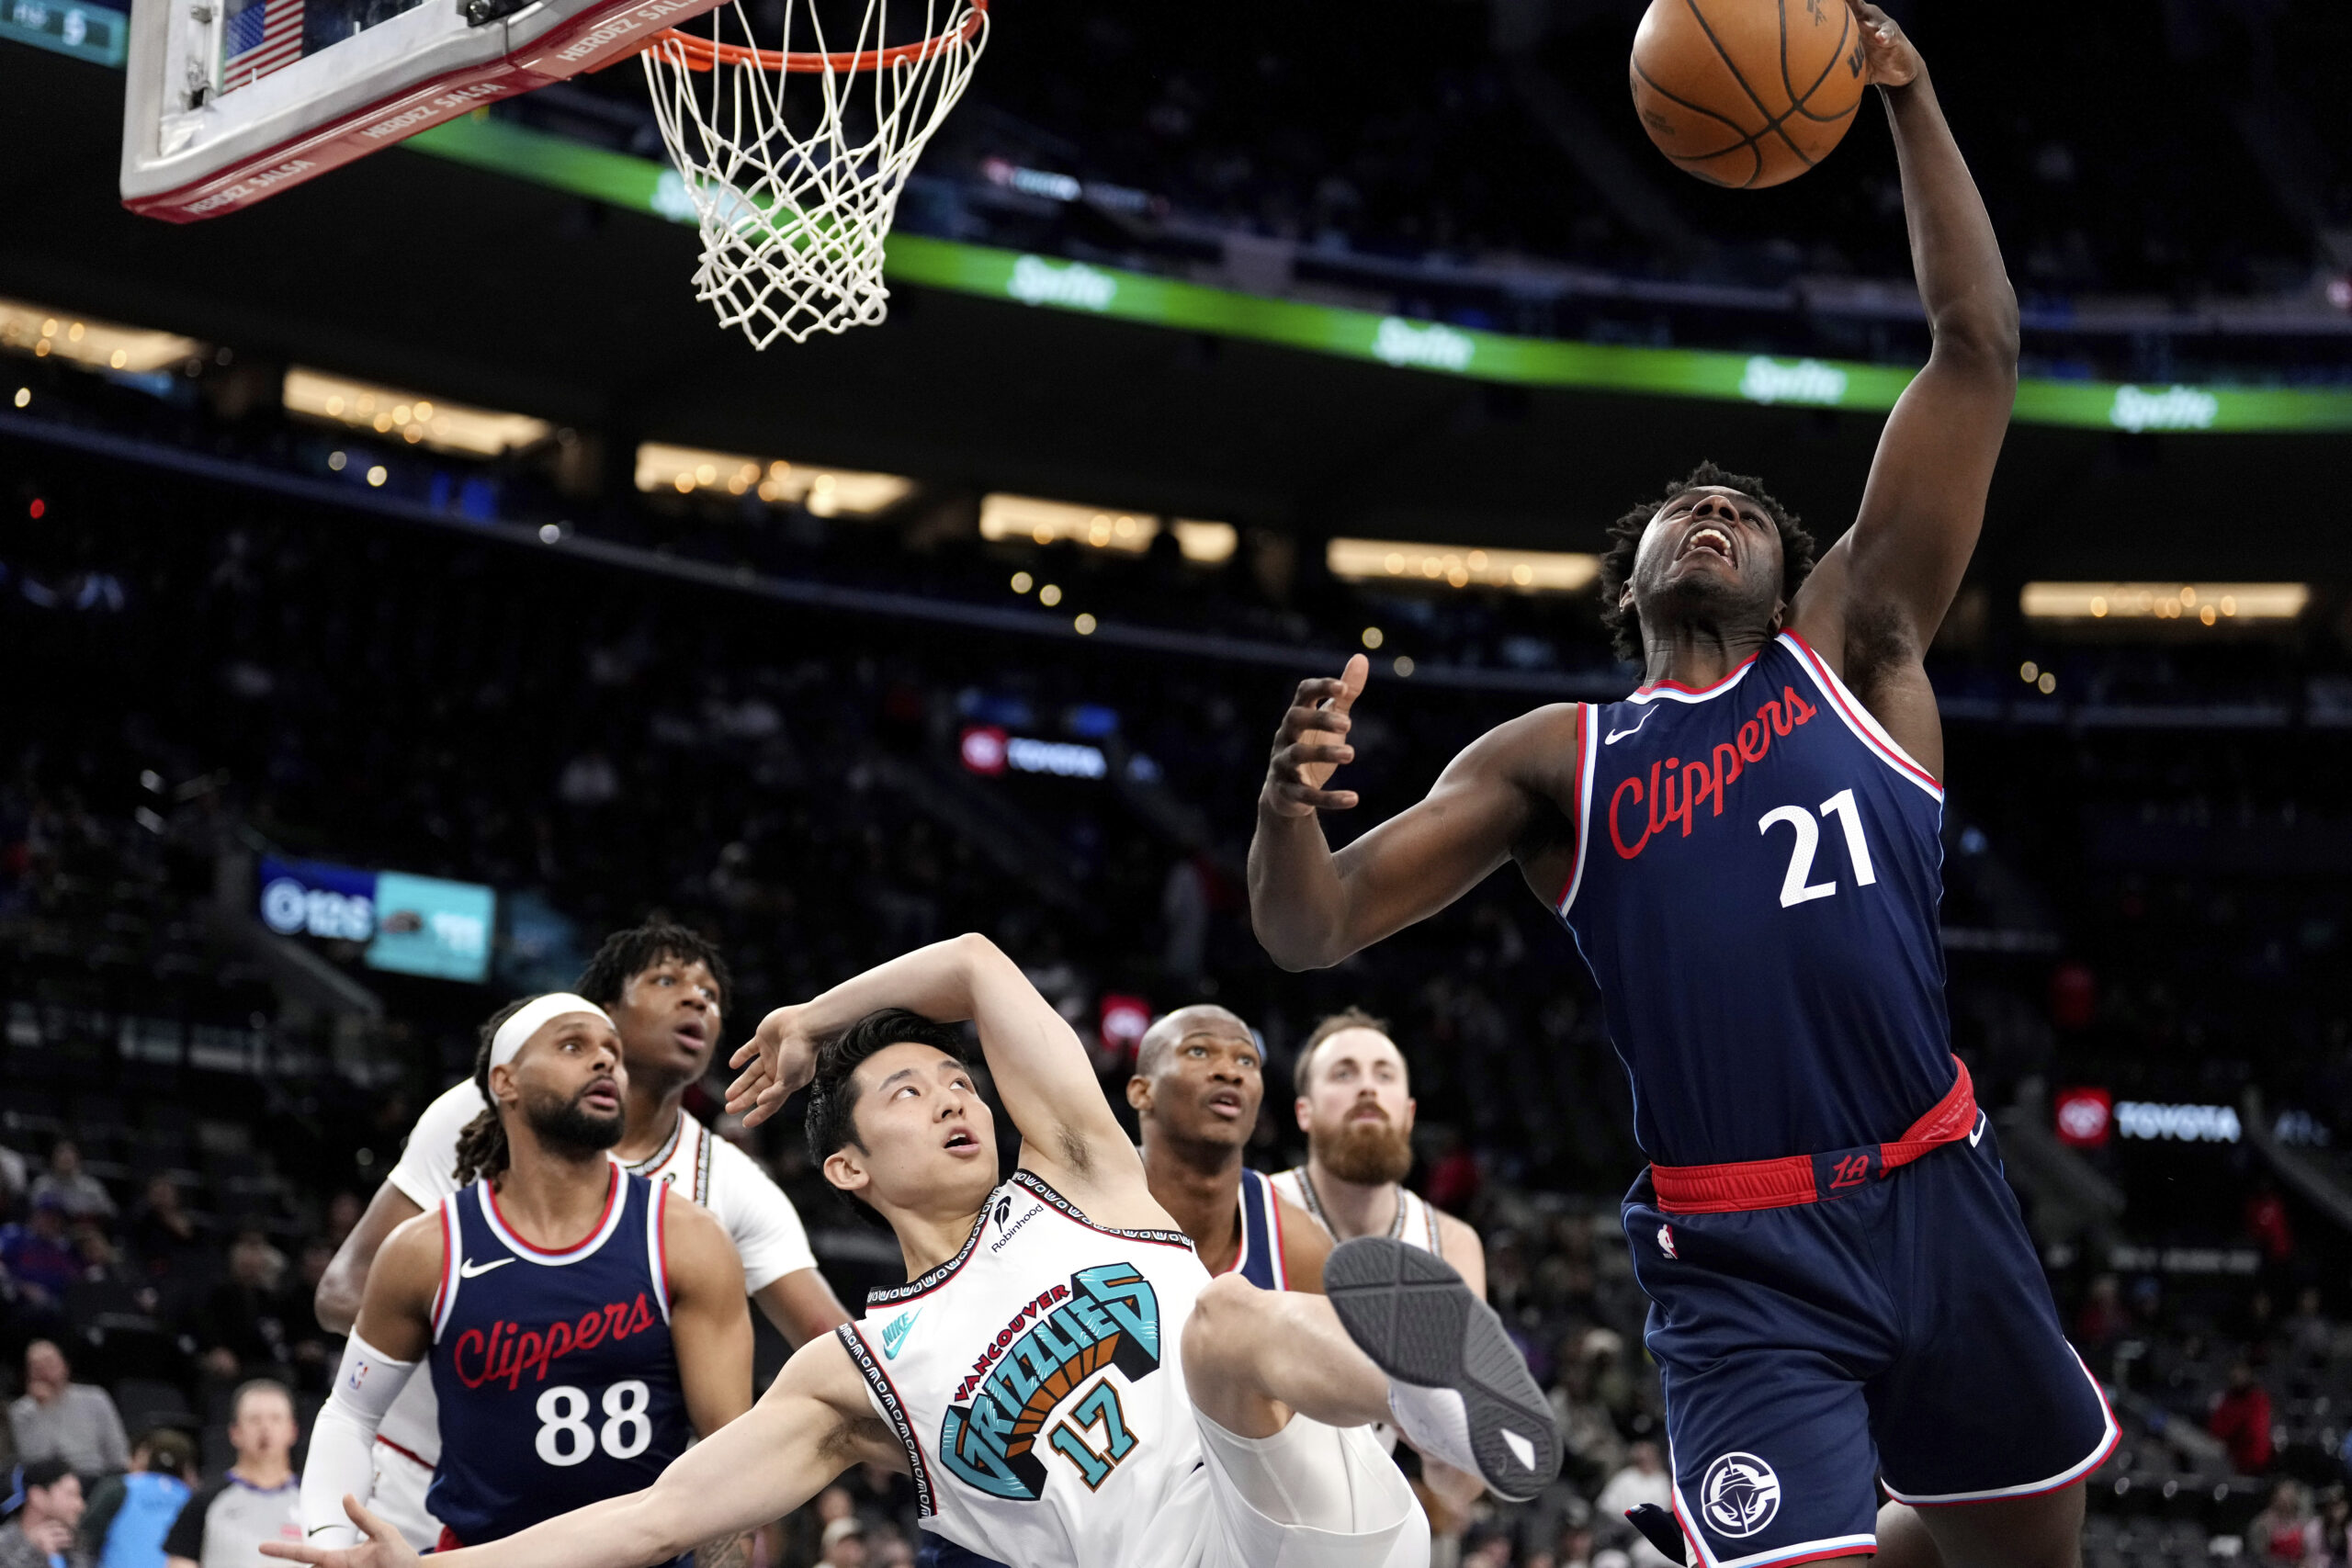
(1813, 1179)
(449, 1542)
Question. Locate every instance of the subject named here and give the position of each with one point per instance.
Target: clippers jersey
(1034, 1380)
(557, 1380)
(1758, 873)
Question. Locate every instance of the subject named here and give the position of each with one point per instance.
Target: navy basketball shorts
(1902, 1335)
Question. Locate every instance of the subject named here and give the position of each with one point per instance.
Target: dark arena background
(415, 540)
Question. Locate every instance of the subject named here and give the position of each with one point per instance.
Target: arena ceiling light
(417, 419)
(828, 492)
(102, 346)
(1040, 522)
(2205, 603)
(1517, 571)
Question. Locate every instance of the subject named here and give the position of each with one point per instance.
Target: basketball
(1748, 93)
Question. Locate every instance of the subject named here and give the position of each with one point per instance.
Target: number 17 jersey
(1758, 874)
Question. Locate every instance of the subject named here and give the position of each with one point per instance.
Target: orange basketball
(1748, 93)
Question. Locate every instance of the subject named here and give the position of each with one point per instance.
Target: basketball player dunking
(1746, 849)
(582, 1322)
(665, 989)
(1198, 1083)
(1066, 1384)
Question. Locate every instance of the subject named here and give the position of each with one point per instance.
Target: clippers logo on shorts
(1739, 1496)
(1106, 1316)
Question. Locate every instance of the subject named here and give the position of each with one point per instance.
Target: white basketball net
(794, 215)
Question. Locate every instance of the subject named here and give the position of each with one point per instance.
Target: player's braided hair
(481, 1147)
(1624, 622)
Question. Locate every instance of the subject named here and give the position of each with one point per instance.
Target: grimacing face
(1711, 553)
(1358, 1076)
(1207, 1084)
(924, 1137)
(668, 1017)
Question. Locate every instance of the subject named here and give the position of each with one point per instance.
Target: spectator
(162, 1232)
(224, 1523)
(80, 1194)
(242, 1325)
(2241, 1418)
(844, 1543)
(313, 1349)
(2275, 1536)
(58, 1418)
(47, 1501)
(129, 1514)
(1643, 1480)
(12, 1178)
(2307, 1335)
(2328, 1541)
(38, 1255)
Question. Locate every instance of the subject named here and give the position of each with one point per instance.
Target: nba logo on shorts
(1739, 1496)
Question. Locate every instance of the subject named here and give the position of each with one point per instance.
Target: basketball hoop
(795, 157)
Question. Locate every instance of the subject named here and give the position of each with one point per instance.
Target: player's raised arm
(709, 1325)
(1041, 1069)
(1312, 907)
(812, 1424)
(1880, 593)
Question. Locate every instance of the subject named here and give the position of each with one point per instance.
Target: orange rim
(702, 54)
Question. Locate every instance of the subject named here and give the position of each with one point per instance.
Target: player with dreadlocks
(1747, 849)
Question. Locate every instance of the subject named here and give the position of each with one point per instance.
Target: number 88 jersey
(555, 1373)
(1758, 873)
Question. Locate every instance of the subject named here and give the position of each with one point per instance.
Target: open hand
(381, 1546)
(1311, 745)
(781, 1059)
(1894, 62)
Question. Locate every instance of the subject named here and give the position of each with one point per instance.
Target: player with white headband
(582, 1322)
(665, 989)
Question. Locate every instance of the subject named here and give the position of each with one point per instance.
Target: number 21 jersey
(1758, 874)
(554, 1371)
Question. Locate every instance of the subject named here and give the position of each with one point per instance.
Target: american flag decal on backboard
(265, 36)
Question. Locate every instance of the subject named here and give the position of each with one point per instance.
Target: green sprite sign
(1046, 282)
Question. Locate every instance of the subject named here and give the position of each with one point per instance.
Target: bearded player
(1199, 1081)
(582, 1323)
(665, 989)
(1066, 1384)
(1747, 852)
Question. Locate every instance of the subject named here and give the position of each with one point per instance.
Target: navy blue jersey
(1260, 1261)
(1758, 871)
(558, 1384)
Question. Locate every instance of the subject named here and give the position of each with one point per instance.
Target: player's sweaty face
(926, 1131)
(668, 1017)
(1713, 551)
(1359, 1077)
(1210, 1084)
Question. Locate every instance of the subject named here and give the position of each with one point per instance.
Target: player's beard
(568, 1127)
(1368, 1153)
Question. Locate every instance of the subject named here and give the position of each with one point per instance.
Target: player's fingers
(295, 1551)
(1352, 683)
(1325, 799)
(1291, 760)
(1306, 721)
(1315, 693)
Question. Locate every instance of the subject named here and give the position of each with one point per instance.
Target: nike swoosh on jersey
(1977, 1137)
(1617, 735)
(469, 1270)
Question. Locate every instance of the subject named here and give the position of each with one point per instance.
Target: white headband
(535, 1017)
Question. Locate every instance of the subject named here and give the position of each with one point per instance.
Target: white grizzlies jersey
(1034, 1382)
(1416, 1221)
(757, 1216)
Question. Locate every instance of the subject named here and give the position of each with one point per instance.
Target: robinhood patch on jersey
(1110, 1317)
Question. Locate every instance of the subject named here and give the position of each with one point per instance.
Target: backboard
(231, 101)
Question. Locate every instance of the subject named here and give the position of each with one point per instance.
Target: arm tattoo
(728, 1551)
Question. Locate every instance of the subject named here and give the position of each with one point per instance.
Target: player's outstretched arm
(1881, 593)
(1312, 908)
(813, 1423)
(708, 1322)
(1041, 1070)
